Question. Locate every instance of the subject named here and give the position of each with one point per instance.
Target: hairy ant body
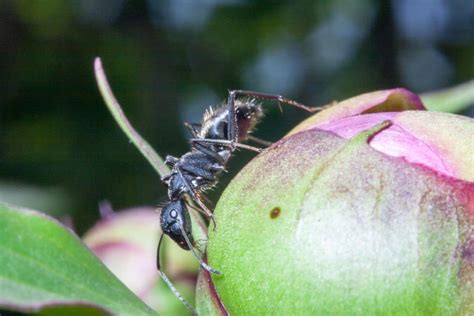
(213, 141)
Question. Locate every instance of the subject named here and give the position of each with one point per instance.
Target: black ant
(213, 141)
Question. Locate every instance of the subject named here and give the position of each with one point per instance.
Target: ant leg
(207, 200)
(203, 197)
(203, 265)
(170, 161)
(232, 123)
(229, 143)
(204, 208)
(280, 99)
(259, 141)
(193, 128)
(232, 119)
(195, 197)
(198, 209)
(208, 151)
(168, 282)
(200, 243)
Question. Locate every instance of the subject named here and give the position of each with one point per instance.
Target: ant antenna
(168, 282)
(199, 259)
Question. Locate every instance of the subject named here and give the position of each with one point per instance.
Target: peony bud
(364, 208)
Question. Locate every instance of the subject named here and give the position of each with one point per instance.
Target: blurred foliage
(168, 60)
(75, 282)
(451, 100)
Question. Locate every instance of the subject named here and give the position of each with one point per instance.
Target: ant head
(175, 222)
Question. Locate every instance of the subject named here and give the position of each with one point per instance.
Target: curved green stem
(147, 151)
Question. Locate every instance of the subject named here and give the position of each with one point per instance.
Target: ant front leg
(195, 196)
(203, 265)
(278, 98)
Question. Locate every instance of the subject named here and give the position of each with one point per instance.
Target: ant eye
(174, 214)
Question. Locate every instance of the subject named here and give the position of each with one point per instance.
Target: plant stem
(147, 151)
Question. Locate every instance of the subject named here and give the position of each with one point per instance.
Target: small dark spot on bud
(275, 212)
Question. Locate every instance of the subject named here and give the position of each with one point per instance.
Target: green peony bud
(363, 209)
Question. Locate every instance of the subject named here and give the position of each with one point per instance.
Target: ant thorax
(214, 123)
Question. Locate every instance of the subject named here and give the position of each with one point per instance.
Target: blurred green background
(60, 150)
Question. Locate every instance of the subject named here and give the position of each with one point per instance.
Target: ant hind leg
(278, 98)
(224, 142)
(259, 141)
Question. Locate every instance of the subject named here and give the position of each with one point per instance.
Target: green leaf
(43, 266)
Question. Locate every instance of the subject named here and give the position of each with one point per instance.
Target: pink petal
(392, 100)
(394, 141)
